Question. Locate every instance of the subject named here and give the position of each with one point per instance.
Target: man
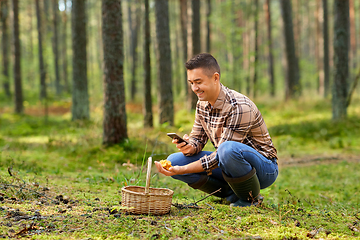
(245, 159)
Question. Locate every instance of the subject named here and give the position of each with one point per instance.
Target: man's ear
(216, 76)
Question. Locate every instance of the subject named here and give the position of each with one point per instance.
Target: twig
(208, 195)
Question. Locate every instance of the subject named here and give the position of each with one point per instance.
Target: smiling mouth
(199, 93)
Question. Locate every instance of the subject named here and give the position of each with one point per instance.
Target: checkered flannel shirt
(234, 117)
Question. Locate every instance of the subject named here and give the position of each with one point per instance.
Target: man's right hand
(186, 148)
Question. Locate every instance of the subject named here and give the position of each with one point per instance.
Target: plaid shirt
(234, 117)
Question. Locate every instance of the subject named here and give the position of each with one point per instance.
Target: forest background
(90, 88)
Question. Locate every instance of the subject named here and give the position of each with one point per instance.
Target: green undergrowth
(57, 180)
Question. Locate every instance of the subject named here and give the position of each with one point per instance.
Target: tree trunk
(195, 44)
(256, 50)
(270, 46)
(55, 5)
(5, 46)
(148, 114)
(292, 82)
(114, 123)
(134, 30)
(64, 50)
(80, 96)
(319, 47)
(42, 70)
(326, 49)
(165, 96)
(184, 36)
(19, 107)
(208, 35)
(341, 59)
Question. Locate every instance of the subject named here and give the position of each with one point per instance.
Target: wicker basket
(146, 200)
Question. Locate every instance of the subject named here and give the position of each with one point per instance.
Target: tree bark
(80, 97)
(64, 50)
(270, 46)
(19, 107)
(114, 123)
(148, 114)
(326, 49)
(5, 46)
(55, 5)
(134, 30)
(208, 28)
(341, 59)
(165, 96)
(42, 70)
(292, 82)
(195, 44)
(184, 36)
(256, 50)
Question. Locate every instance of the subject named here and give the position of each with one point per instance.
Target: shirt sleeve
(236, 128)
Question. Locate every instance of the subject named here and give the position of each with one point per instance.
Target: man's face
(204, 86)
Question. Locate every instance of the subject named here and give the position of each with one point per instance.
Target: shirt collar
(220, 101)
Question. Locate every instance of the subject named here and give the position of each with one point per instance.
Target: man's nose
(195, 87)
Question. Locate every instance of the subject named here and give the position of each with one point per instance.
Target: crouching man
(245, 159)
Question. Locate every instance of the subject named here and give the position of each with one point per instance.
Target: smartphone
(174, 135)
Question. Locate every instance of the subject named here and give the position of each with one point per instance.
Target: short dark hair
(205, 61)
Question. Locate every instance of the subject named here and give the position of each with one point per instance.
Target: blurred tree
(134, 27)
(42, 70)
(19, 105)
(353, 48)
(195, 46)
(319, 43)
(292, 81)
(326, 48)
(114, 123)
(4, 14)
(270, 47)
(64, 49)
(165, 95)
(208, 28)
(80, 97)
(148, 115)
(256, 45)
(341, 59)
(184, 37)
(55, 38)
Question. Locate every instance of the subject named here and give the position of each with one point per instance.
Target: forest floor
(58, 182)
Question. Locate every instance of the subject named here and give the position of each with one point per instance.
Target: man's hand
(194, 167)
(175, 170)
(185, 148)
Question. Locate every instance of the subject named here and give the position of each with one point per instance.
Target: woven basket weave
(146, 200)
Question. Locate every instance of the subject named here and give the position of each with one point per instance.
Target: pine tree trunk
(208, 35)
(326, 49)
(256, 50)
(195, 44)
(148, 114)
(55, 5)
(114, 123)
(42, 70)
(165, 96)
(183, 21)
(293, 88)
(64, 50)
(5, 46)
(134, 30)
(341, 59)
(19, 107)
(270, 46)
(80, 96)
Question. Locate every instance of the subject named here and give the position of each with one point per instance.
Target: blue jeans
(235, 159)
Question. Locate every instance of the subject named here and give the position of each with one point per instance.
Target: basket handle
(148, 173)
